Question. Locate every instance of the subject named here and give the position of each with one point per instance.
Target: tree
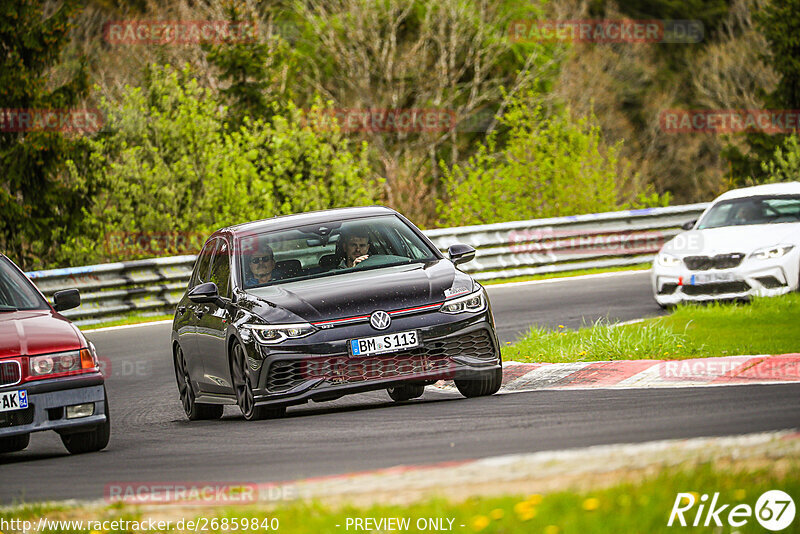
(39, 204)
(249, 66)
(453, 56)
(779, 22)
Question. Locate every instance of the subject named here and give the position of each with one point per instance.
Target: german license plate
(712, 278)
(385, 343)
(13, 400)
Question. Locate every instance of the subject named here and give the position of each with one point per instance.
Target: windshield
(328, 249)
(16, 292)
(753, 210)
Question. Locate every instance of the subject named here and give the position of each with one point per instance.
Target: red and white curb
(634, 374)
(729, 370)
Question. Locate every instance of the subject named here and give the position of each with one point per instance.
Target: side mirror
(66, 299)
(460, 253)
(204, 293)
(689, 225)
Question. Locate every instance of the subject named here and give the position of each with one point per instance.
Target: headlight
(667, 260)
(474, 302)
(61, 362)
(271, 334)
(771, 252)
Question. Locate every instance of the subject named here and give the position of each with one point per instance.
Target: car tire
(194, 411)
(487, 383)
(244, 389)
(92, 440)
(14, 443)
(405, 392)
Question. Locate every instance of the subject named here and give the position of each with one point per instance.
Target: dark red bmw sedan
(49, 373)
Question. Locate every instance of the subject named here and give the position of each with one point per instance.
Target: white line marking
(565, 279)
(125, 326)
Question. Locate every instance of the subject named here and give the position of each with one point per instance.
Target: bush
(169, 165)
(550, 166)
(785, 163)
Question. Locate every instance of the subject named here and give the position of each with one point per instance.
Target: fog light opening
(80, 410)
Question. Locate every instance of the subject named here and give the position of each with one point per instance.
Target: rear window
(16, 291)
(328, 249)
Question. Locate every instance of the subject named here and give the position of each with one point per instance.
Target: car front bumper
(47, 402)
(452, 348)
(766, 278)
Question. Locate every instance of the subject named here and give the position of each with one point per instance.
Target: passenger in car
(261, 265)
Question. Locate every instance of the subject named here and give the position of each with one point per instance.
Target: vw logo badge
(380, 320)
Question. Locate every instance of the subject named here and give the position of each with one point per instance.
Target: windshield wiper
(4, 308)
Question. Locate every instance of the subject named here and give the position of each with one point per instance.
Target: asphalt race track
(153, 442)
(621, 296)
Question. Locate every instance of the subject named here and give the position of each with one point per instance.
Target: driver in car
(748, 214)
(356, 248)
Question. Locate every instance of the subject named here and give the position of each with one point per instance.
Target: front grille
(720, 261)
(717, 288)
(434, 356)
(9, 373)
(17, 417)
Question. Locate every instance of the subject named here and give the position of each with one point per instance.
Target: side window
(221, 269)
(200, 274)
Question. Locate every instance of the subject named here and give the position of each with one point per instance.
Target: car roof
(785, 188)
(284, 222)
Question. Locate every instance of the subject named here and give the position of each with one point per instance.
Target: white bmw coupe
(747, 242)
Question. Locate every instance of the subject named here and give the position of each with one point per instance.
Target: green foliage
(549, 166)
(169, 165)
(764, 326)
(785, 164)
(39, 205)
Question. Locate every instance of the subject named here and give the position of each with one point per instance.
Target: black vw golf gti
(320, 305)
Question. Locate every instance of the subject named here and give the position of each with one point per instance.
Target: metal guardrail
(504, 250)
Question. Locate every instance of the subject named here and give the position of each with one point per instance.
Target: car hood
(744, 239)
(361, 292)
(36, 332)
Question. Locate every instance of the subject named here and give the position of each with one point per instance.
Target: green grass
(764, 326)
(130, 319)
(643, 506)
(567, 274)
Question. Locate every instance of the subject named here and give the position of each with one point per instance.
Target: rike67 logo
(774, 510)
